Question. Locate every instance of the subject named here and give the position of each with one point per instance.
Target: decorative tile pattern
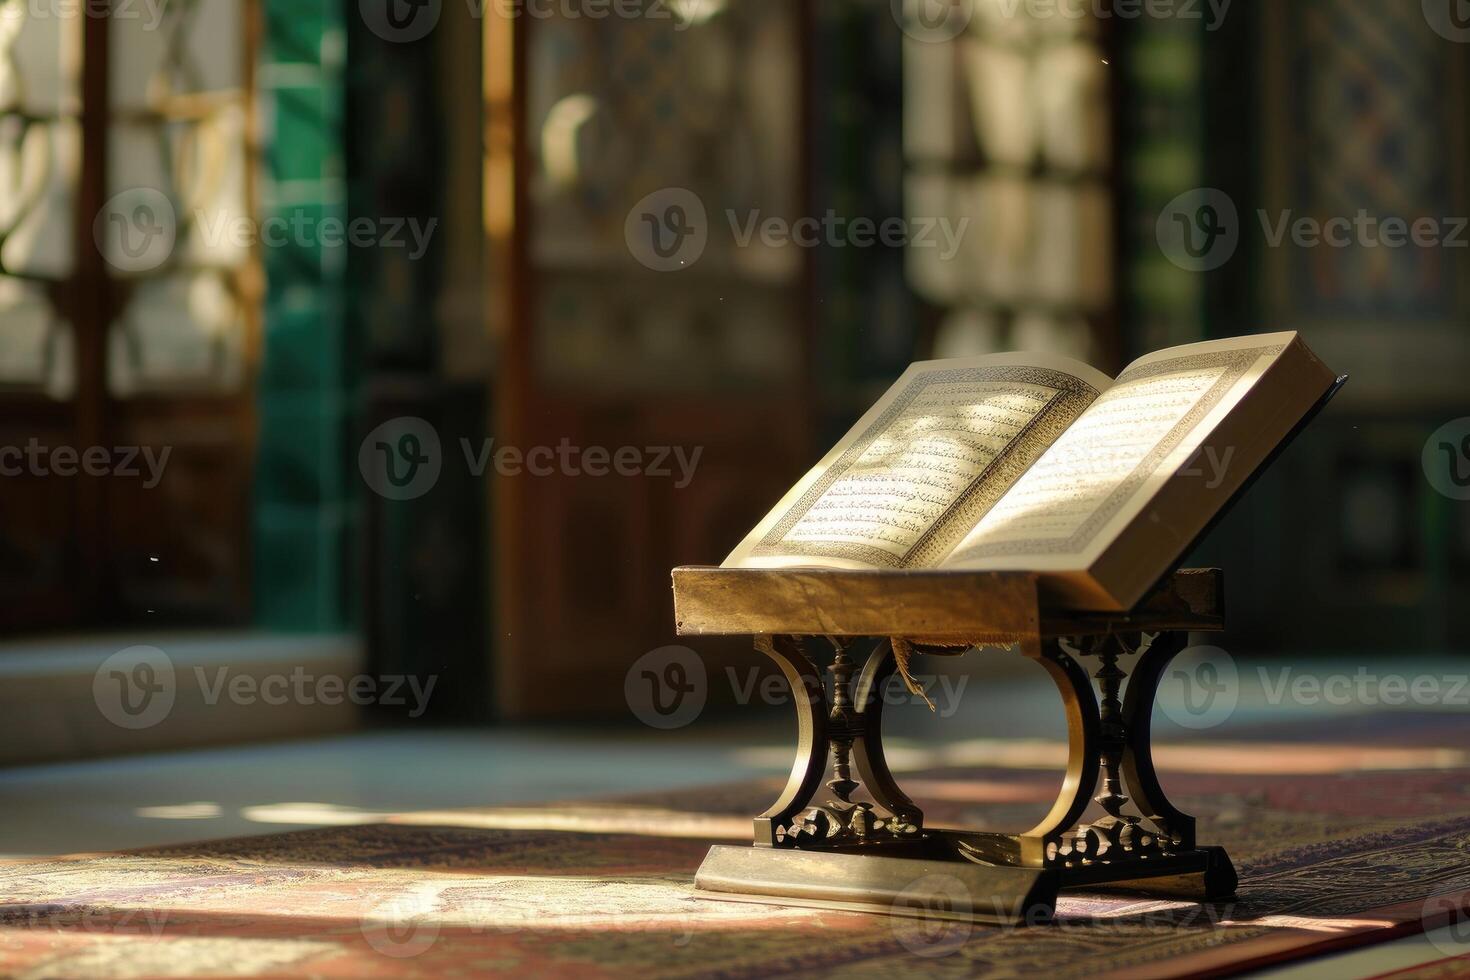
(1368, 87)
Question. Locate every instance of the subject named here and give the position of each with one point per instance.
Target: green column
(305, 512)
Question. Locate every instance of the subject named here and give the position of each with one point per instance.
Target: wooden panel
(717, 365)
(958, 606)
(963, 606)
(591, 596)
(41, 525)
(178, 550)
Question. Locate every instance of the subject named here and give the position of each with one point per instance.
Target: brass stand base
(879, 855)
(870, 883)
(939, 886)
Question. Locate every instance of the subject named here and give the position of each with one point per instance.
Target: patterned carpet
(604, 889)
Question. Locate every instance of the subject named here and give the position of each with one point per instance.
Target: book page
(1148, 427)
(924, 464)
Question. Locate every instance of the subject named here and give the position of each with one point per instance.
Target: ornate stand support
(879, 856)
(848, 733)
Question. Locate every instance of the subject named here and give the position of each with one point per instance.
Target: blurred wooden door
(129, 304)
(598, 133)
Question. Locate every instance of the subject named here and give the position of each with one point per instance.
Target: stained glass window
(40, 153)
(177, 177)
(1007, 135)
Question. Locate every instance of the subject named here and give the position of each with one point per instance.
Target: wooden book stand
(879, 856)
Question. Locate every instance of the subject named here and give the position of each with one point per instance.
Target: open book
(1039, 463)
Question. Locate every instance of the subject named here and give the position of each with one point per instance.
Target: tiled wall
(305, 511)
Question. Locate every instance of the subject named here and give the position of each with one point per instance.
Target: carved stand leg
(905, 818)
(848, 732)
(1141, 840)
(810, 699)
